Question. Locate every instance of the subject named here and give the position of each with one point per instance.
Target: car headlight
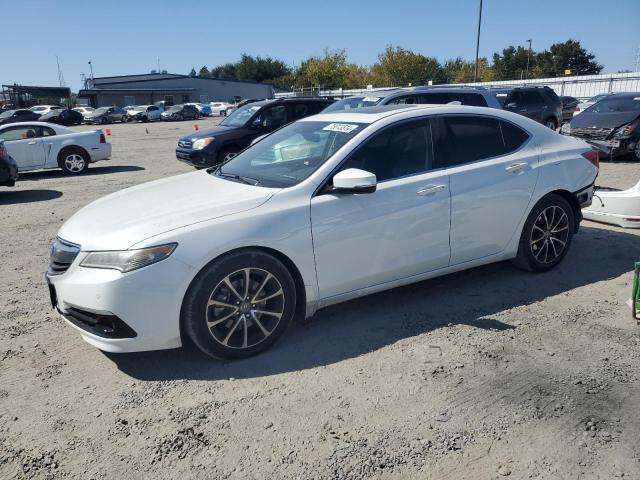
(566, 129)
(202, 142)
(128, 260)
(626, 130)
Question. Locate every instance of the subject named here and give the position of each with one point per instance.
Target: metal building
(171, 88)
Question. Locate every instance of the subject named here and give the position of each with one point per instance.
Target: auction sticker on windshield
(370, 99)
(340, 127)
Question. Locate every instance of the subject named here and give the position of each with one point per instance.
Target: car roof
(34, 124)
(625, 94)
(366, 114)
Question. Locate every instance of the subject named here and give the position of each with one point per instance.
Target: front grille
(184, 143)
(592, 133)
(62, 255)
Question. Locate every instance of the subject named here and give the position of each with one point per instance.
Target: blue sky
(127, 37)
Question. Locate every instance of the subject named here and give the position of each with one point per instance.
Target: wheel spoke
(555, 252)
(247, 280)
(265, 332)
(270, 296)
(267, 312)
(261, 287)
(561, 242)
(218, 303)
(562, 217)
(560, 229)
(230, 286)
(220, 320)
(246, 332)
(232, 331)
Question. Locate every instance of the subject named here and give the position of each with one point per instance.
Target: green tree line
(397, 66)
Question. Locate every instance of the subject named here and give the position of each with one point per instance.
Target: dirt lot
(490, 373)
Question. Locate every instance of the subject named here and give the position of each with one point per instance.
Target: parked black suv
(538, 103)
(180, 112)
(216, 145)
(20, 115)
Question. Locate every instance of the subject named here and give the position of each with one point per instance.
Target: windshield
(37, 109)
(352, 102)
(240, 116)
(101, 109)
(7, 114)
(175, 108)
(291, 154)
(613, 104)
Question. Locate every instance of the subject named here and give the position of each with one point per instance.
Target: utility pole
(475, 75)
(528, 57)
(61, 82)
(91, 67)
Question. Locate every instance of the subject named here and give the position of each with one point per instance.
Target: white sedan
(144, 113)
(326, 209)
(220, 108)
(40, 145)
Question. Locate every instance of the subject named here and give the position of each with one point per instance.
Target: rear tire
(551, 123)
(73, 161)
(546, 236)
(239, 305)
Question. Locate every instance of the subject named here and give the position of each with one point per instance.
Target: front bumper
(613, 148)
(196, 158)
(116, 312)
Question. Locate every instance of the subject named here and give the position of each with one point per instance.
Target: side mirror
(257, 123)
(511, 105)
(354, 180)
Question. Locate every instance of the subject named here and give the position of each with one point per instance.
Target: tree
(328, 71)
(204, 72)
(399, 67)
(192, 73)
(226, 71)
(512, 64)
(458, 70)
(569, 55)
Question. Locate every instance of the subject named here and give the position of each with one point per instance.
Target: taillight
(102, 138)
(3, 152)
(577, 108)
(593, 156)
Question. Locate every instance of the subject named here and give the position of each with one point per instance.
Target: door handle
(430, 189)
(516, 167)
(32, 143)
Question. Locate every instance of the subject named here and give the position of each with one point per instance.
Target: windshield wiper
(239, 178)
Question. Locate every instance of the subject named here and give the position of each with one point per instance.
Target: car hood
(603, 120)
(122, 219)
(135, 112)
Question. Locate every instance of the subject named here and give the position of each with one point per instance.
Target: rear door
(24, 146)
(403, 100)
(492, 166)
(526, 102)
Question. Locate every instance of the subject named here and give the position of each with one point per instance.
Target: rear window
(514, 137)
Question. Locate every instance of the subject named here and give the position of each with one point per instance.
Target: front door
(24, 146)
(400, 230)
(493, 172)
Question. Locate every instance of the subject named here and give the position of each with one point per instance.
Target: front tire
(551, 123)
(226, 154)
(546, 236)
(239, 305)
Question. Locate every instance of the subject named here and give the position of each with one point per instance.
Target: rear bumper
(101, 152)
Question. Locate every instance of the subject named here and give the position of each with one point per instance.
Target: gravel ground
(489, 373)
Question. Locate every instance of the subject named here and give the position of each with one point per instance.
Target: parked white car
(220, 108)
(85, 110)
(144, 113)
(42, 109)
(326, 209)
(617, 207)
(40, 145)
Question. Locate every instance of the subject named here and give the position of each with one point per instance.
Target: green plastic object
(635, 293)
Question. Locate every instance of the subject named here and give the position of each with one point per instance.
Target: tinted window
(514, 137)
(461, 139)
(273, 117)
(395, 152)
(406, 100)
(300, 110)
(531, 97)
(442, 98)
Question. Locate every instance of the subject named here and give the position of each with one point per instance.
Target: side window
(300, 110)
(434, 98)
(47, 132)
(18, 133)
(406, 100)
(515, 97)
(274, 117)
(533, 98)
(395, 152)
(514, 137)
(473, 99)
(462, 139)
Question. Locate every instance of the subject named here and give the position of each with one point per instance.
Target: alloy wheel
(74, 163)
(245, 308)
(549, 234)
(229, 156)
(550, 124)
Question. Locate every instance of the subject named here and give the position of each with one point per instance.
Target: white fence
(580, 87)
